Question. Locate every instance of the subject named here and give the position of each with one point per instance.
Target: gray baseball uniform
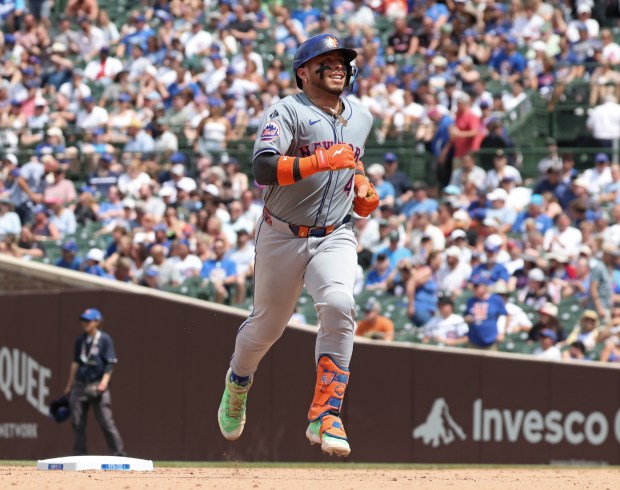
(294, 126)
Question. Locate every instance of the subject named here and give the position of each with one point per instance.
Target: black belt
(302, 231)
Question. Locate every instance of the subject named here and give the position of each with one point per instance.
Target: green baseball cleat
(334, 446)
(231, 414)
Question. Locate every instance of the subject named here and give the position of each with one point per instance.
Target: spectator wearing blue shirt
(534, 211)
(552, 182)
(440, 145)
(220, 271)
(112, 208)
(393, 251)
(385, 190)
(138, 141)
(508, 63)
(140, 36)
(438, 12)
(420, 203)
(69, 260)
(52, 143)
(490, 271)
(103, 177)
(307, 16)
(483, 313)
(424, 295)
(379, 273)
(400, 181)
(94, 257)
(499, 211)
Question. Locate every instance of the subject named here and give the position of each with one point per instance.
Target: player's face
(327, 72)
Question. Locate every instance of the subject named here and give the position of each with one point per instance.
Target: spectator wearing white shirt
(584, 17)
(197, 42)
(548, 349)
(458, 237)
(240, 61)
(420, 226)
(445, 327)
(104, 69)
(562, 237)
(453, 273)
(10, 223)
(152, 204)
(528, 25)
(166, 141)
(367, 98)
(515, 97)
(109, 29)
(412, 112)
(90, 39)
(178, 179)
(501, 170)
(517, 320)
(611, 234)
(604, 121)
(138, 64)
(211, 79)
(133, 179)
(238, 221)
(91, 116)
(598, 177)
(362, 15)
(468, 172)
(611, 49)
(75, 90)
(238, 85)
(185, 263)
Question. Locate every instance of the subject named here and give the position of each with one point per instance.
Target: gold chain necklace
(334, 112)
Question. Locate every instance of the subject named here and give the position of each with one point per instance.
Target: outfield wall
(405, 403)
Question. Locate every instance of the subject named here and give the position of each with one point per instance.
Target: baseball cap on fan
(549, 334)
(91, 314)
(493, 243)
(376, 169)
(453, 251)
(95, 254)
(458, 233)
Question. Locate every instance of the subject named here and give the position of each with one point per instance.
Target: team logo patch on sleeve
(270, 132)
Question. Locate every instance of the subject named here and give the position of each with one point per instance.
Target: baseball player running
(308, 157)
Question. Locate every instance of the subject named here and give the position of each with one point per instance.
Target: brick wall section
(11, 281)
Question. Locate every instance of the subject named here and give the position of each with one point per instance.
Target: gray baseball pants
(103, 413)
(284, 262)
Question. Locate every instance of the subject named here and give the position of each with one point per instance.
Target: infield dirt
(14, 477)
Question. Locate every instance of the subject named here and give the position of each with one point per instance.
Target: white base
(106, 463)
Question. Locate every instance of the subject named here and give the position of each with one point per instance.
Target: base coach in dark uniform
(88, 384)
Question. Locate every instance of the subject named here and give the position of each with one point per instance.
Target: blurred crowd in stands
(114, 128)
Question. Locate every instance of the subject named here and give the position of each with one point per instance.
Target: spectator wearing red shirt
(465, 135)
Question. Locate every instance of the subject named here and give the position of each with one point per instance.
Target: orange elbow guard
(286, 170)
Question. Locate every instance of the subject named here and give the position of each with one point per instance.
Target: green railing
(413, 158)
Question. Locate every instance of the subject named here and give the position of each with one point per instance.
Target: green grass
(8, 462)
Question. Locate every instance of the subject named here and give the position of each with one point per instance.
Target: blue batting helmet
(320, 44)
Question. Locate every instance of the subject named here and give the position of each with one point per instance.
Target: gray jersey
(296, 127)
